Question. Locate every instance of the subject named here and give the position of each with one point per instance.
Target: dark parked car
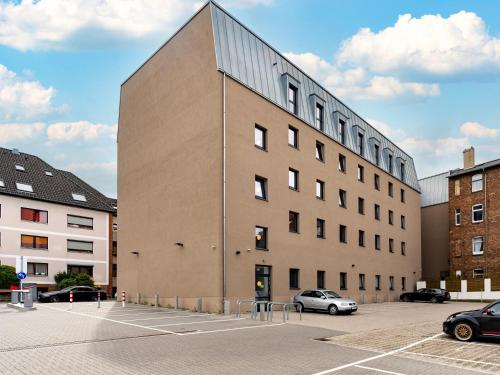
(433, 295)
(80, 293)
(468, 325)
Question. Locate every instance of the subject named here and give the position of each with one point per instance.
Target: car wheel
(463, 332)
(54, 299)
(299, 307)
(333, 310)
(434, 300)
(406, 299)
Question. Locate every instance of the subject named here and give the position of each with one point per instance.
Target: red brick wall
(461, 257)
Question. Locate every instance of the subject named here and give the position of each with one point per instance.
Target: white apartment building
(55, 219)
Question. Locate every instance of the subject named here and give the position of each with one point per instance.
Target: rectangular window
(260, 238)
(391, 217)
(36, 216)
(457, 187)
(38, 269)
(320, 189)
(376, 181)
(293, 179)
(342, 233)
(390, 189)
(391, 245)
(293, 137)
(320, 151)
(80, 222)
(320, 279)
(34, 242)
(341, 131)
(403, 171)
(403, 248)
(377, 154)
(294, 278)
(20, 168)
(403, 283)
(260, 137)
(377, 211)
(361, 148)
(377, 242)
(377, 282)
(320, 228)
(89, 270)
(361, 206)
(343, 281)
(391, 282)
(477, 273)
(477, 182)
(402, 195)
(391, 169)
(342, 163)
(477, 245)
(293, 222)
(458, 216)
(292, 99)
(403, 222)
(320, 117)
(260, 187)
(342, 198)
(362, 281)
(477, 213)
(81, 246)
(361, 173)
(79, 197)
(361, 238)
(24, 187)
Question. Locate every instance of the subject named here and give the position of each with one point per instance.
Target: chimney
(469, 158)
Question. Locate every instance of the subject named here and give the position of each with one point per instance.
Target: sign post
(21, 270)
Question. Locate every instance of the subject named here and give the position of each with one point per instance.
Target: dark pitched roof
(476, 168)
(57, 188)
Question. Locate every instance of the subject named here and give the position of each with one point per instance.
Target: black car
(433, 295)
(80, 293)
(468, 325)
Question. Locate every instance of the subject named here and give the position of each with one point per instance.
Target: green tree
(74, 279)
(8, 277)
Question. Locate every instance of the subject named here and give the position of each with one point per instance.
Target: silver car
(319, 299)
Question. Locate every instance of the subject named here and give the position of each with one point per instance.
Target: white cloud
(357, 83)
(476, 130)
(80, 130)
(430, 44)
(387, 130)
(21, 98)
(10, 133)
(434, 146)
(59, 24)
(90, 166)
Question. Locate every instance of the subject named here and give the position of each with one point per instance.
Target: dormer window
(319, 112)
(341, 131)
(24, 187)
(48, 173)
(361, 149)
(79, 197)
(292, 99)
(377, 154)
(20, 168)
(390, 164)
(403, 171)
(2, 184)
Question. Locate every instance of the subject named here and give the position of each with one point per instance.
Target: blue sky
(426, 73)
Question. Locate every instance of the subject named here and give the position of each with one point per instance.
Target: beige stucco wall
(58, 232)
(435, 240)
(170, 172)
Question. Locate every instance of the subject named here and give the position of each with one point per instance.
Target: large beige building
(239, 176)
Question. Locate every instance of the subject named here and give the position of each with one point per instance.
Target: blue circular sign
(21, 275)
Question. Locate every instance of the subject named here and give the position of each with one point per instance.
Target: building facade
(435, 227)
(56, 220)
(239, 176)
(474, 218)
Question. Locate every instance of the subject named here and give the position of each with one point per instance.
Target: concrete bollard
(200, 304)
(177, 302)
(157, 300)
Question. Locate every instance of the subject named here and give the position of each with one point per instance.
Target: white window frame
(474, 241)
(477, 210)
(458, 217)
(477, 182)
(24, 187)
(475, 274)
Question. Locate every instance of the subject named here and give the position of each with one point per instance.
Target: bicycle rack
(286, 310)
(254, 307)
(239, 303)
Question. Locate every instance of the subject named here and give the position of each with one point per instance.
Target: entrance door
(262, 283)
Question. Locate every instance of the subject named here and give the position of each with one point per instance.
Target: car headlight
(450, 318)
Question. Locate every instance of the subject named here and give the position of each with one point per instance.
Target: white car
(319, 299)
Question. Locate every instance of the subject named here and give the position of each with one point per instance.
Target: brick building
(474, 218)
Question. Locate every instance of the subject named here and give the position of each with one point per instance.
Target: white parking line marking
(380, 370)
(392, 352)
(112, 320)
(148, 313)
(230, 329)
(468, 343)
(203, 321)
(454, 359)
(166, 317)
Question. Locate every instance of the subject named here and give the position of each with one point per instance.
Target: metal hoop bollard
(254, 307)
(239, 303)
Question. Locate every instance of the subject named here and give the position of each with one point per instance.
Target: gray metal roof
(245, 57)
(57, 186)
(434, 189)
(479, 167)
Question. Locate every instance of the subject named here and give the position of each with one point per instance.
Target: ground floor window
(477, 273)
(89, 270)
(294, 278)
(343, 281)
(38, 269)
(362, 284)
(320, 279)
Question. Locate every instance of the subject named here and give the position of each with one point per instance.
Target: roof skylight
(2, 184)
(19, 167)
(24, 187)
(48, 173)
(79, 197)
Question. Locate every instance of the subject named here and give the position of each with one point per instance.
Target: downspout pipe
(224, 198)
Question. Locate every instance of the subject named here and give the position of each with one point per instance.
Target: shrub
(74, 279)
(7, 277)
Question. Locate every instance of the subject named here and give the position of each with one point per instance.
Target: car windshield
(67, 289)
(331, 294)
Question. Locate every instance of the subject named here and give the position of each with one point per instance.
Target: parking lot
(390, 338)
